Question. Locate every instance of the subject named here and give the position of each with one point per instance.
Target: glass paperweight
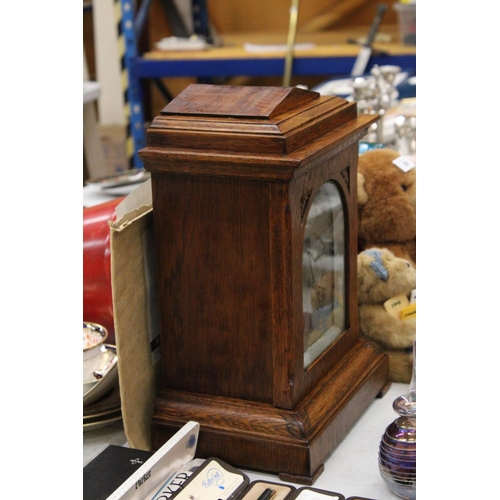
(398, 446)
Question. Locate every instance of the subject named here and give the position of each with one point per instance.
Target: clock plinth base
(305, 480)
(291, 443)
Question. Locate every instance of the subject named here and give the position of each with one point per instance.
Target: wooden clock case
(234, 171)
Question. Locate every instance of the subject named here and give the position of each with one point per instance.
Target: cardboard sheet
(135, 314)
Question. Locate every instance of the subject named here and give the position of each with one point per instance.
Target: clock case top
(259, 132)
(234, 172)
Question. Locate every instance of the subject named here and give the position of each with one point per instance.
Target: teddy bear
(387, 204)
(387, 315)
(327, 304)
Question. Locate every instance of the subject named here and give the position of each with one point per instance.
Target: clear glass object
(398, 446)
(323, 272)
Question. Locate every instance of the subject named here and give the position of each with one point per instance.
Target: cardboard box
(110, 469)
(114, 146)
(135, 313)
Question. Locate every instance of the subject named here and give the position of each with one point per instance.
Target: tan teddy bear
(386, 315)
(327, 304)
(386, 204)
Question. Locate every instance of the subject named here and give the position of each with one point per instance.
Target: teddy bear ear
(362, 194)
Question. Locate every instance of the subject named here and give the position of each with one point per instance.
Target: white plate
(121, 190)
(106, 365)
(92, 426)
(132, 176)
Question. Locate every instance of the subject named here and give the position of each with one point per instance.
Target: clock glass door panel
(323, 272)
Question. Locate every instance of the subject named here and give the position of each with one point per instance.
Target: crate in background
(113, 140)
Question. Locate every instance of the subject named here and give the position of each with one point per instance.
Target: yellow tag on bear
(409, 312)
(396, 304)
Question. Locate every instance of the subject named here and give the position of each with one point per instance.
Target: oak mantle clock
(254, 204)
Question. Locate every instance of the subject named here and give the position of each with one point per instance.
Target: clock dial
(323, 272)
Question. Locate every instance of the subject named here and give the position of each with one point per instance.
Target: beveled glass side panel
(323, 272)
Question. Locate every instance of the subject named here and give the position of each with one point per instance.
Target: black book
(106, 472)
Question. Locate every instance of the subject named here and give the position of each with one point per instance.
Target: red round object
(97, 296)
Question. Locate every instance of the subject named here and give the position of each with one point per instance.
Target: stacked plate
(398, 457)
(121, 184)
(101, 402)
(103, 412)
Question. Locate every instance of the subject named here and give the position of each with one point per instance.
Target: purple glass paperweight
(398, 446)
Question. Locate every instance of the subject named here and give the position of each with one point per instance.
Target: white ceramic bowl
(94, 336)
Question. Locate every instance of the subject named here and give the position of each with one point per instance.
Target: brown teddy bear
(386, 314)
(386, 204)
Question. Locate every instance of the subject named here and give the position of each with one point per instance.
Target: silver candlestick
(376, 94)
